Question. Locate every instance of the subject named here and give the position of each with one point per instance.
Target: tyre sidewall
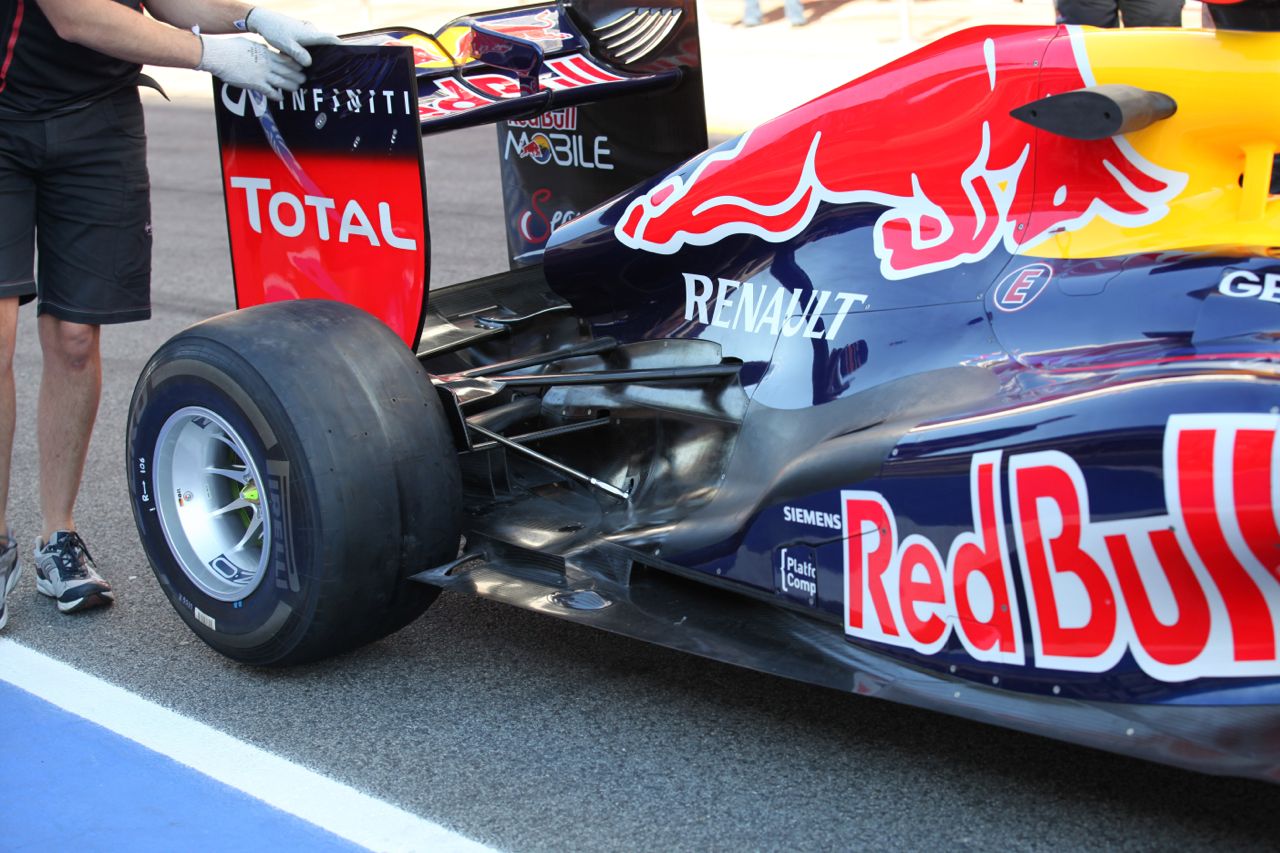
(281, 604)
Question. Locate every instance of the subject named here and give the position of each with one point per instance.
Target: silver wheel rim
(212, 507)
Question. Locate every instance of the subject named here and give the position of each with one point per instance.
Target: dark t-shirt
(42, 74)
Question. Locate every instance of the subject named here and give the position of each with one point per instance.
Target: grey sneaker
(10, 571)
(65, 571)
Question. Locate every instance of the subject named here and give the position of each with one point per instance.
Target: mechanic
(1109, 13)
(74, 184)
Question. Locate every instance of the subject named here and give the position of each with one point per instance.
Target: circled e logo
(1020, 288)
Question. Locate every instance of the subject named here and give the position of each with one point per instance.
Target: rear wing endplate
(325, 188)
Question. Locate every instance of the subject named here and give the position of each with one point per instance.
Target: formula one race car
(957, 386)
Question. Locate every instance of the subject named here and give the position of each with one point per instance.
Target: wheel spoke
(225, 439)
(241, 476)
(238, 503)
(255, 528)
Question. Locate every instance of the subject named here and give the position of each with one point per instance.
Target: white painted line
(289, 787)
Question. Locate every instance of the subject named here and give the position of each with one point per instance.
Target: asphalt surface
(531, 734)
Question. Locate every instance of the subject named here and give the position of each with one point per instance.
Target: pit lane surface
(528, 733)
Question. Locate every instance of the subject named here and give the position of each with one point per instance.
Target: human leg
(1091, 13)
(70, 387)
(20, 150)
(94, 236)
(10, 570)
(795, 12)
(20, 146)
(93, 228)
(751, 13)
(8, 401)
(1151, 13)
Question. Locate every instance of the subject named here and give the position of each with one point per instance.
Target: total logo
(1248, 285)
(562, 149)
(1191, 593)
(290, 216)
(1020, 288)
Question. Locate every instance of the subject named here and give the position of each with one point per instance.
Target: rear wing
(325, 188)
(520, 63)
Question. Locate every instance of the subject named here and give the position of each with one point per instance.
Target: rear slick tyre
(290, 467)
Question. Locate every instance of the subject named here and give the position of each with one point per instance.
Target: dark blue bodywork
(1081, 369)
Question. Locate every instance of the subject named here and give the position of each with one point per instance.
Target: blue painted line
(67, 783)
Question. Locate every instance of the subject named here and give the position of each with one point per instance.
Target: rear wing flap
(519, 63)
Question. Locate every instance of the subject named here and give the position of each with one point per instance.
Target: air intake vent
(637, 33)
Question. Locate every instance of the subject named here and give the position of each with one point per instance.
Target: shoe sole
(97, 599)
(9, 586)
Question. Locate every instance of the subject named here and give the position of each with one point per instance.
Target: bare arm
(116, 30)
(211, 16)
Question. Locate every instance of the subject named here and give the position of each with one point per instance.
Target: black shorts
(1107, 13)
(76, 187)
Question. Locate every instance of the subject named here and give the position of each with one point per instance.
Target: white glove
(250, 65)
(286, 34)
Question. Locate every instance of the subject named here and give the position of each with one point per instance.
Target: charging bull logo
(954, 172)
(1189, 594)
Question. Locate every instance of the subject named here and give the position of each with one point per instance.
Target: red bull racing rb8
(957, 386)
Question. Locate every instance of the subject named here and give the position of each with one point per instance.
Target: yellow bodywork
(1227, 87)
